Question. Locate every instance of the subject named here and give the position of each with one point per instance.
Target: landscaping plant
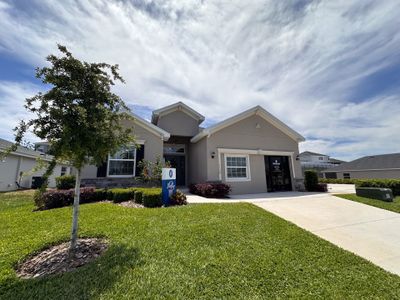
(78, 115)
(210, 190)
(178, 198)
(65, 182)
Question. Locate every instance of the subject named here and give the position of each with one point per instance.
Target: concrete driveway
(367, 231)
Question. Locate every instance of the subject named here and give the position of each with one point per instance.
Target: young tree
(79, 116)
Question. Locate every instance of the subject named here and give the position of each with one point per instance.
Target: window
(63, 171)
(174, 149)
(346, 175)
(122, 163)
(320, 158)
(237, 168)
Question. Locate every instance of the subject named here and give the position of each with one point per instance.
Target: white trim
(118, 159)
(151, 127)
(178, 106)
(140, 142)
(257, 110)
(240, 179)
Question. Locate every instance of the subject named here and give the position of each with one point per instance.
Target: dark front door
(177, 162)
(277, 172)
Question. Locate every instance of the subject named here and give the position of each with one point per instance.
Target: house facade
(17, 169)
(383, 166)
(253, 151)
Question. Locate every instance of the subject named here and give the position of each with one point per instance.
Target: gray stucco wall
(178, 123)
(153, 147)
(246, 135)
(197, 158)
(257, 184)
(388, 174)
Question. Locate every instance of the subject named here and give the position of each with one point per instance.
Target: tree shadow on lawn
(86, 282)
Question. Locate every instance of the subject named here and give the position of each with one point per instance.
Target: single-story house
(17, 168)
(374, 166)
(253, 151)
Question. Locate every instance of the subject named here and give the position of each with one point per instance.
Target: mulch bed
(55, 260)
(131, 204)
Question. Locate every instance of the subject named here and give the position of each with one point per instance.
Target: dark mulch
(56, 260)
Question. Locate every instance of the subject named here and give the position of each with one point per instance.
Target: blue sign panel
(168, 184)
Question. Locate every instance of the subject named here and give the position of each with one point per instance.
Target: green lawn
(393, 206)
(193, 252)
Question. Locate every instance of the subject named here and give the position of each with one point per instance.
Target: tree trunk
(75, 214)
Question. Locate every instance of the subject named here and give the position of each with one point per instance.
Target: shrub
(59, 198)
(337, 180)
(151, 198)
(102, 194)
(311, 180)
(121, 195)
(322, 187)
(138, 196)
(178, 198)
(65, 182)
(210, 190)
(393, 184)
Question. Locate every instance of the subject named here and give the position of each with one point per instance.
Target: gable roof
(151, 127)
(178, 106)
(311, 153)
(372, 162)
(22, 151)
(257, 110)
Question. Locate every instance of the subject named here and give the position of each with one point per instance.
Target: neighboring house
(374, 166)
(317, 161)
(253, 151)
(22, 162)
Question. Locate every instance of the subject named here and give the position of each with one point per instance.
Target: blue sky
(329, 69)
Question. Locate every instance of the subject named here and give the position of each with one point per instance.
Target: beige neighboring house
(23, 161)
(386, 166)
(253, 151)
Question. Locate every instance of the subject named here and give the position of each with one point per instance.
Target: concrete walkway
(367, 231)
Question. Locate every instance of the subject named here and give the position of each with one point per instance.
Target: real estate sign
(168, 184)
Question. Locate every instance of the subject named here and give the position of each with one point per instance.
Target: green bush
(393, 184)
(121, 194)
(311, 180)
(65, 182)
(138, 197)
(151, 197)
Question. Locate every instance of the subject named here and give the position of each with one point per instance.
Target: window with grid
(122, 163)
(236, 167)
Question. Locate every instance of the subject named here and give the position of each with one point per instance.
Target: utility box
(375, 193)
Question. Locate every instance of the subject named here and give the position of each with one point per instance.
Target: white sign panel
(168, 173)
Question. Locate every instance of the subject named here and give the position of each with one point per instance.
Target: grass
(393, 206)
(205, 251)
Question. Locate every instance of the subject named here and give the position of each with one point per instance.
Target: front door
(177, 162)
(277, 172)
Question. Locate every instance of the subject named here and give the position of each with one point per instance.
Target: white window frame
(237, 179)
(120, 159)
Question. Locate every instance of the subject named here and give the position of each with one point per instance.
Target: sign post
(168, 180)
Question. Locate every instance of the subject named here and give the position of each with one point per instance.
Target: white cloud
(301, 60)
